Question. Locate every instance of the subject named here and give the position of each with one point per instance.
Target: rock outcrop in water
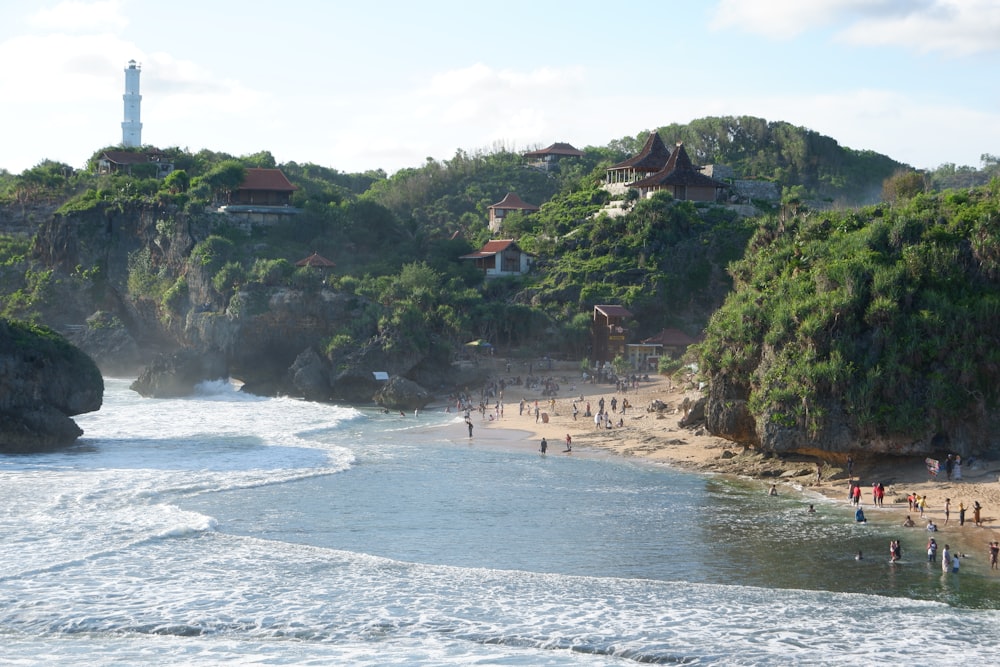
(176, 375)
(44, 381)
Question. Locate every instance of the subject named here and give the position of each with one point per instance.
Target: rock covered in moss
(44, 380)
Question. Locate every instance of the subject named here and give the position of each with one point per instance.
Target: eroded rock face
(44, 380)
(402, 394)
(106, 340)
(176, 375)
(310, 375)
(726, 413)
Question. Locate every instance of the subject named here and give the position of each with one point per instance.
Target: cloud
(75, 16)
(955, 27)
(789, 18)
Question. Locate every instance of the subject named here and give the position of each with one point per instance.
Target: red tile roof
(652, 157)
(492, 248)
(315, 260)
(266, 179)
(560, 149)
(513, 202)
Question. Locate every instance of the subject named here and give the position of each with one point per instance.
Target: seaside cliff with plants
(875, 329)
(149, 278)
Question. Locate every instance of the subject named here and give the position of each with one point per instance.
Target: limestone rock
(109, 344)
(402, 394)
(310, 376)
(175, 375)
(44, 380)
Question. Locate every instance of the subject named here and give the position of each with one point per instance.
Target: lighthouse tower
(131, 127)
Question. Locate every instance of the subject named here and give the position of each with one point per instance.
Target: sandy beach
(658, 437)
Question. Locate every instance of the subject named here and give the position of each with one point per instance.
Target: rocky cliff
(43, 382)
(135, 287)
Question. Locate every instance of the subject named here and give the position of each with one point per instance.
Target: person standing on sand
(947, 510)
(569, 444)
(961, 514)
(976, 514)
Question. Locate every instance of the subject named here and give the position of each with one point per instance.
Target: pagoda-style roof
(492, 248)
(559, 149)
(266, 179)
(514, 203)
(652, 157)
(315, 260)
(678, 171)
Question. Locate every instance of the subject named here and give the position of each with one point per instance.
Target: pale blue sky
(363, 85)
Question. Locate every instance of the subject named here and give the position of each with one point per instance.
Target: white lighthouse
(131, 127)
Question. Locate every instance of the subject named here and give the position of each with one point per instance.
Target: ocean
(232, 529)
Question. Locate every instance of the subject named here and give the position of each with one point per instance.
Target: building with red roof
(681, 179)
(509, 204)
(263, 187)
(316, 261)
(646, 162)
(548, 158)
(501, 257)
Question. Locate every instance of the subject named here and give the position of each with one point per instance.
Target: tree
(903, 185)
(225, 177)
(177, 181)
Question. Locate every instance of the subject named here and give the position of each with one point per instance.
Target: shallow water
(235, 529)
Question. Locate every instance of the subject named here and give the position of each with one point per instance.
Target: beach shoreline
(657, 437)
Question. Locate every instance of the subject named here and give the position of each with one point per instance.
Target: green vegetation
(890, 314)
(826, 303)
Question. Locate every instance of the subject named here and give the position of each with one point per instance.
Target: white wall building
(131, 127)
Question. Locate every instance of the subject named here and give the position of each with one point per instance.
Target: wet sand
(657, 437)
